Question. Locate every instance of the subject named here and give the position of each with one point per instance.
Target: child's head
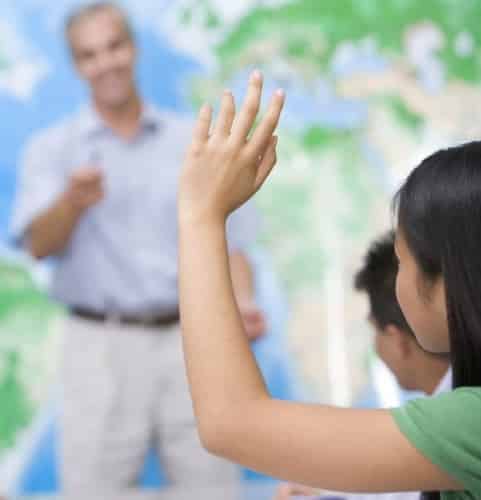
(438, 243)
(395, 343)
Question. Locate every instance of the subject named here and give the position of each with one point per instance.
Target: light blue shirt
(122, 257)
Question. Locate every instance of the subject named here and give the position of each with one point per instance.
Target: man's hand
(289, 490)
(51, 231)
(253, 318)
(85, 188)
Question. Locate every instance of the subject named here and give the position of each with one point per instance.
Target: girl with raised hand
(430, 444)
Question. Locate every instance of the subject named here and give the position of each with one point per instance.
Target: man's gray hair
(86, 11)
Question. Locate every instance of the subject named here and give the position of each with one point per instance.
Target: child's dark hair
(377, 278)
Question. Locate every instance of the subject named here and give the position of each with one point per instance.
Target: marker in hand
(85, 188)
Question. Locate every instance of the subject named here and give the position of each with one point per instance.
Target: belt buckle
(147, 320)
(113, 318)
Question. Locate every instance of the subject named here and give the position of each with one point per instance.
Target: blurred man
(395, 343)
(98, 193)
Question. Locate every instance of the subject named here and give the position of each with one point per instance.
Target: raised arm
(337, 449)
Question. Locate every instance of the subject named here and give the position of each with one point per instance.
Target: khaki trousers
(124, 388)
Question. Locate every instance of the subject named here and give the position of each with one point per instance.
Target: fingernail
(227, 92)
(256, 75)
(280, 92)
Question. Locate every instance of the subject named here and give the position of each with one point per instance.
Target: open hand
(224, 167)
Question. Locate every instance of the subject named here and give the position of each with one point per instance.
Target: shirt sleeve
(243, 227)
(40, 181)
(447, 430)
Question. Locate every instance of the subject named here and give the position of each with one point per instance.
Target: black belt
(166, 319)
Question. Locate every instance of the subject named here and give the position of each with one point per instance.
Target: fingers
(202, 126)
(267, 162)
(250, 108)
(85, 196)
(226, 116)
(263, 133)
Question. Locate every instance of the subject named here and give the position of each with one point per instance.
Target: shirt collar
(151, 119)
(445, 384)
(91, 124)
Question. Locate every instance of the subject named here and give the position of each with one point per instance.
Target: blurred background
(373, 87)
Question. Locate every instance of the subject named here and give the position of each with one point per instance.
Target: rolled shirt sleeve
(41, 180)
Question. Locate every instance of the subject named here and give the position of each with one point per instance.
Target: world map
(373, 87)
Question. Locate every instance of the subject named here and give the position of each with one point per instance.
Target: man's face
(104, 56)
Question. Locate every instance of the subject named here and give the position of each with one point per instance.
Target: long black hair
(439, 216)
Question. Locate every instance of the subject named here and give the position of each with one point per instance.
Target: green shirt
(447, 430)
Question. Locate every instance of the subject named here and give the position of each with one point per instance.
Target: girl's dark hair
(439, 216)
